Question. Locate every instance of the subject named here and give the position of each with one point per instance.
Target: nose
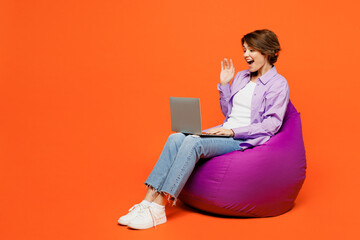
(246, 54)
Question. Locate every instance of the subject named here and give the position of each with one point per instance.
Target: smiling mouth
(250, 62)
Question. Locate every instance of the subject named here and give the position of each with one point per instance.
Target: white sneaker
(133, 212)
(147, 218)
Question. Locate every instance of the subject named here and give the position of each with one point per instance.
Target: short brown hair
(265, 41)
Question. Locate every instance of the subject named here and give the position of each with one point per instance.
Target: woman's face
(255, 60)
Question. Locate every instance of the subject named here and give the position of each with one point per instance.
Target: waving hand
(227, 72)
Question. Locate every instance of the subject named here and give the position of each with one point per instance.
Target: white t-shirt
(240, 115)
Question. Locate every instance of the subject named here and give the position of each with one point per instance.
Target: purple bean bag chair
(262, 181)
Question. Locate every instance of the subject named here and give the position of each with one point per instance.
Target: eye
(252, 50)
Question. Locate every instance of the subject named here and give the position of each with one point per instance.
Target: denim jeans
(179, 156)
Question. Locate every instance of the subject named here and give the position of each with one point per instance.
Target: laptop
(186, 116)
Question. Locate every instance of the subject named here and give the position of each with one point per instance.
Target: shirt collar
(267, 76)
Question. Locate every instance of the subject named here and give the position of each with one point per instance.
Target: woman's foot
(133, 212)
(149, 217)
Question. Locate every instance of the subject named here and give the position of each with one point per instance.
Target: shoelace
(141, 206)
(152, 216)
(150, 211)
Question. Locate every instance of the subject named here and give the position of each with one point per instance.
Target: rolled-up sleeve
(277, 98)
(224, 92)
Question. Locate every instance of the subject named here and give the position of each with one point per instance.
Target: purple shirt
(268, 106)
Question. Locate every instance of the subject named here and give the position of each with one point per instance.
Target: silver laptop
(186, 116)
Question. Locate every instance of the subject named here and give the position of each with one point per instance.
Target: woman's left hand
(221, 131)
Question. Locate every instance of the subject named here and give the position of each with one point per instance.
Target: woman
(254, 107)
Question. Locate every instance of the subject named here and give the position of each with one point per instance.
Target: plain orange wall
(84, 109)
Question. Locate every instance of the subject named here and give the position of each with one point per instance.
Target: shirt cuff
(224, 90)
(241, 132)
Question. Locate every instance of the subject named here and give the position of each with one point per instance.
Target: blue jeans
(178, 159)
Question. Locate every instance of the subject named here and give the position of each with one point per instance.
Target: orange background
(84, 100)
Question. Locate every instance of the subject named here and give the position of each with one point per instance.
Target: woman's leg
(192, 149)
(156, 178)
(179, 164)
(151, 194)
(161, 169)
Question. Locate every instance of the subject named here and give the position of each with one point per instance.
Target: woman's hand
(227, 72)
(221, 131)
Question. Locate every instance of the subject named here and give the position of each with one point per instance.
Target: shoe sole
(142, 226)
(123, 223)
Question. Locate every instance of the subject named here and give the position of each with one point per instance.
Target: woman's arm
(276, 101)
